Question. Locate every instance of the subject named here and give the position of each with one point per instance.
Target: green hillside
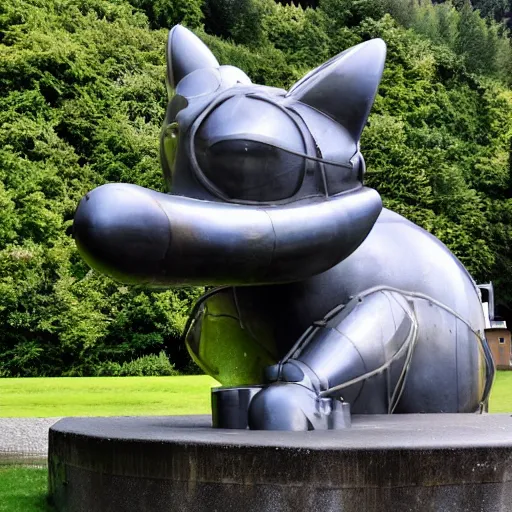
(82, 97)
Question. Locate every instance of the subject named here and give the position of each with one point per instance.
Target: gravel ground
(24, 440)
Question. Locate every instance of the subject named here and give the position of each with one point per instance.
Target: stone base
(430, 462)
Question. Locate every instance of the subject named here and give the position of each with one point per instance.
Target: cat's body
(397, 254)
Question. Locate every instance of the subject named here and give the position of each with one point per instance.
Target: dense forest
(82, 97)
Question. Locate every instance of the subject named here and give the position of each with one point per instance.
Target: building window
(501, 340)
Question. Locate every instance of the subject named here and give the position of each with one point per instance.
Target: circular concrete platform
(430, 462)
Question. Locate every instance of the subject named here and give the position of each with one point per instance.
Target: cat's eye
(251, 170)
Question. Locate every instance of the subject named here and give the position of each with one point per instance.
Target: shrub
(145, 366)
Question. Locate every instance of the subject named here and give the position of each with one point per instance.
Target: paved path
(24, 440)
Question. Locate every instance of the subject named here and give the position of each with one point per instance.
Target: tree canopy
(82, 97)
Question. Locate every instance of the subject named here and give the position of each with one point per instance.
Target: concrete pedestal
(430, 462)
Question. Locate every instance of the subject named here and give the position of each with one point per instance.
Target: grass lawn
(23, 490)
(137, 396)
(501, 395)
(105, 396)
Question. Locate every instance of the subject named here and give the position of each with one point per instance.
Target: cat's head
(226, 139)
(266, 184)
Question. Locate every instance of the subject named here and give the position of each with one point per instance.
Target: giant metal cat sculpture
(323, 297)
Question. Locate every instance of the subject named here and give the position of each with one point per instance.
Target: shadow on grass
(36, 503)
(24, 489)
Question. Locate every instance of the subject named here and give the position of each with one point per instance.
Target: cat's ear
(344, 88)
(186, 53)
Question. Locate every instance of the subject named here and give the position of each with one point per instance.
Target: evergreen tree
(493, 9)
(472, 41)
(448, 21)
(425, 20)
(82, 98)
